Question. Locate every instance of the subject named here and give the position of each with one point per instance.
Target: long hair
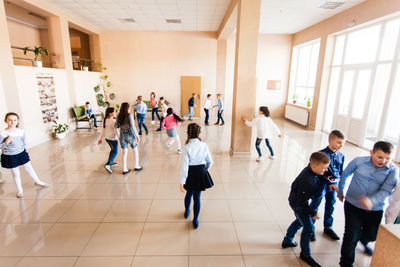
(12, 114)
(265, 111)
(176, 117)
(109, 110)
(123, 115)
(193, 131)
(152, 94)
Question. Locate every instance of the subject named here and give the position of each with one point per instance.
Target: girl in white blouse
(196, 162)
(111, 135)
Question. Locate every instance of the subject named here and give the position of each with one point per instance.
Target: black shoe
(217, 123)
(187, 212)
(147, 132)
(329, 232)
(138, 169)
(140, 133)
(195, 224)
(310, 260)
(368, 250)
(126, 172)
(158, 130)
(312, 238)
(222, 123)
(289, 244)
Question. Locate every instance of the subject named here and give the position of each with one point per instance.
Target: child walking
(191, 105)
(12, 143)
(111, 135)
(170, 122)
(307, 183)
(154, 107)
(164, 107)
(207, 106)
(220, 106)
(128, 136)
(265, 129)
(194, 175)
(141, 109)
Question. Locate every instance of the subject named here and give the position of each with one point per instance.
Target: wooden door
(190, 85)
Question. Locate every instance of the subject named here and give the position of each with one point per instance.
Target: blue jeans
(207, 115)
(154, 110)
(303, 219)
(94, 119)
(161, 121)
(360, 225)
(196, 202)
(141, 118)
(114, 151)
(191, 113)
(258, 142)
(220, 116)
(330, 200)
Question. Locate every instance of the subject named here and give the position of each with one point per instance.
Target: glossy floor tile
(88, 217)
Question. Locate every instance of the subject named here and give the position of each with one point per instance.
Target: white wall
(85, 81)
(3, 103)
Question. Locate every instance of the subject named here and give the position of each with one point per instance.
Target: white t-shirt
(207, 105)
(265, 126)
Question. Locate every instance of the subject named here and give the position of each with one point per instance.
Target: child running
(265, 128)
(170, 122)
(164, 107)
(154, 107)
(141, 109)
(195, 178)
(12, 143)
(128, 136)
(111, 135)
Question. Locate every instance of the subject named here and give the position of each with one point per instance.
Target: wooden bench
(80, 116)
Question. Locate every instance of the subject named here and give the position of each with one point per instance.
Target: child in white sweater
(265, 129)
(392, 214)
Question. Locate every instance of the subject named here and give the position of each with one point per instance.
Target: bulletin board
(47, 97)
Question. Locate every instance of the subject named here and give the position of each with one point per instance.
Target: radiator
(297, 114)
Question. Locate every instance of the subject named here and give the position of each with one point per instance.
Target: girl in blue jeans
(111, 135)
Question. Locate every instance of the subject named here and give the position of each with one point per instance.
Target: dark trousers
(220, 116)
(154, 110)
(207, 115)
(360, 225)
(330, 201)
(113, 152)
(94, 119)
(258, 142)
(303, 219)
(161, 121)
(141, 118)
(196, 202)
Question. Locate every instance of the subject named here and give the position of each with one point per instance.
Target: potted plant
(83, 65)
(37, 51)
(60, 129)
(103, 95)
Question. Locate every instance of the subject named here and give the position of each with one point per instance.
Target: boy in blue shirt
(141, 110)
(220, 106)
(335, 169)
(374, 178)
(308, 183)
(89, 113)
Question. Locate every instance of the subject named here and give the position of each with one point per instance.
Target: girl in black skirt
(12, 143)
(196, 162)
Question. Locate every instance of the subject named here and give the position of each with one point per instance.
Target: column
(94, 42)
(221, 66)
(245, 83)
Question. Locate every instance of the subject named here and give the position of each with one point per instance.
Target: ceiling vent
(173, 21)
(36, 15)
(330, 5)
(128, 20)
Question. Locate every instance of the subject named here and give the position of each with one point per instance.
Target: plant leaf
(117, 106)
(99, 97)
(100, 103)
(107, 103)
(97, 88)
(112, 96)
(105, 77)
(104, 68)
(108, 84)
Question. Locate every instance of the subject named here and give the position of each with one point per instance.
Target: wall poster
(47, 96)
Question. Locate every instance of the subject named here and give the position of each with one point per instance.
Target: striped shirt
(17, 144)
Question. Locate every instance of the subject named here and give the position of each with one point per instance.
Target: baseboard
(239, 154)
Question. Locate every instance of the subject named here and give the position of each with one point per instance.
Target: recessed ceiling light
(127, 20)
(330, 5)
(173, 21)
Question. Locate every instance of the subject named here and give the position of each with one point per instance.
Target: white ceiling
(277, 16)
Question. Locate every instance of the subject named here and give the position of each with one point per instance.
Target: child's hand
(99, 142)
(366, 203)
(181, 188)
(244, 118)
(334, 187)
(8, 140)
(279, 135)
(316, 217)
(341, 197)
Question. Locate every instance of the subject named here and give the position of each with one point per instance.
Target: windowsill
(299, 106)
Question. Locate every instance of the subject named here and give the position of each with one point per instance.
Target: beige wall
(141, 62)
(362, 13)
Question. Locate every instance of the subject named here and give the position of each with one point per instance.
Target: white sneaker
(260, 159)
(152, 122)
(43, 184)
(179, 151)
(168, 147)
(108, 168)
(20, 195)
(271, 157)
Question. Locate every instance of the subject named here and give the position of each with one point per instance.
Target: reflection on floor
(91, 218)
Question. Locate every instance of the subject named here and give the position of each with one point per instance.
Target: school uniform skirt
(198, 178)
(172, 132)
(13, 161)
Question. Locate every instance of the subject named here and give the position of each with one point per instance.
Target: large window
(303, 73)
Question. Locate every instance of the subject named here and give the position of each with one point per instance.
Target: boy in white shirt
(207, 106)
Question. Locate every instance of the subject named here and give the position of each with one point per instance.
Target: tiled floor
(88, 217)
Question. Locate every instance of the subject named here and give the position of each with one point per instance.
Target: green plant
(37, 51)
(59, 128)
(83, 63)
(103, 96)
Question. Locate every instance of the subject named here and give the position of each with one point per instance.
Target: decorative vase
(37, 63)
(61, 135)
